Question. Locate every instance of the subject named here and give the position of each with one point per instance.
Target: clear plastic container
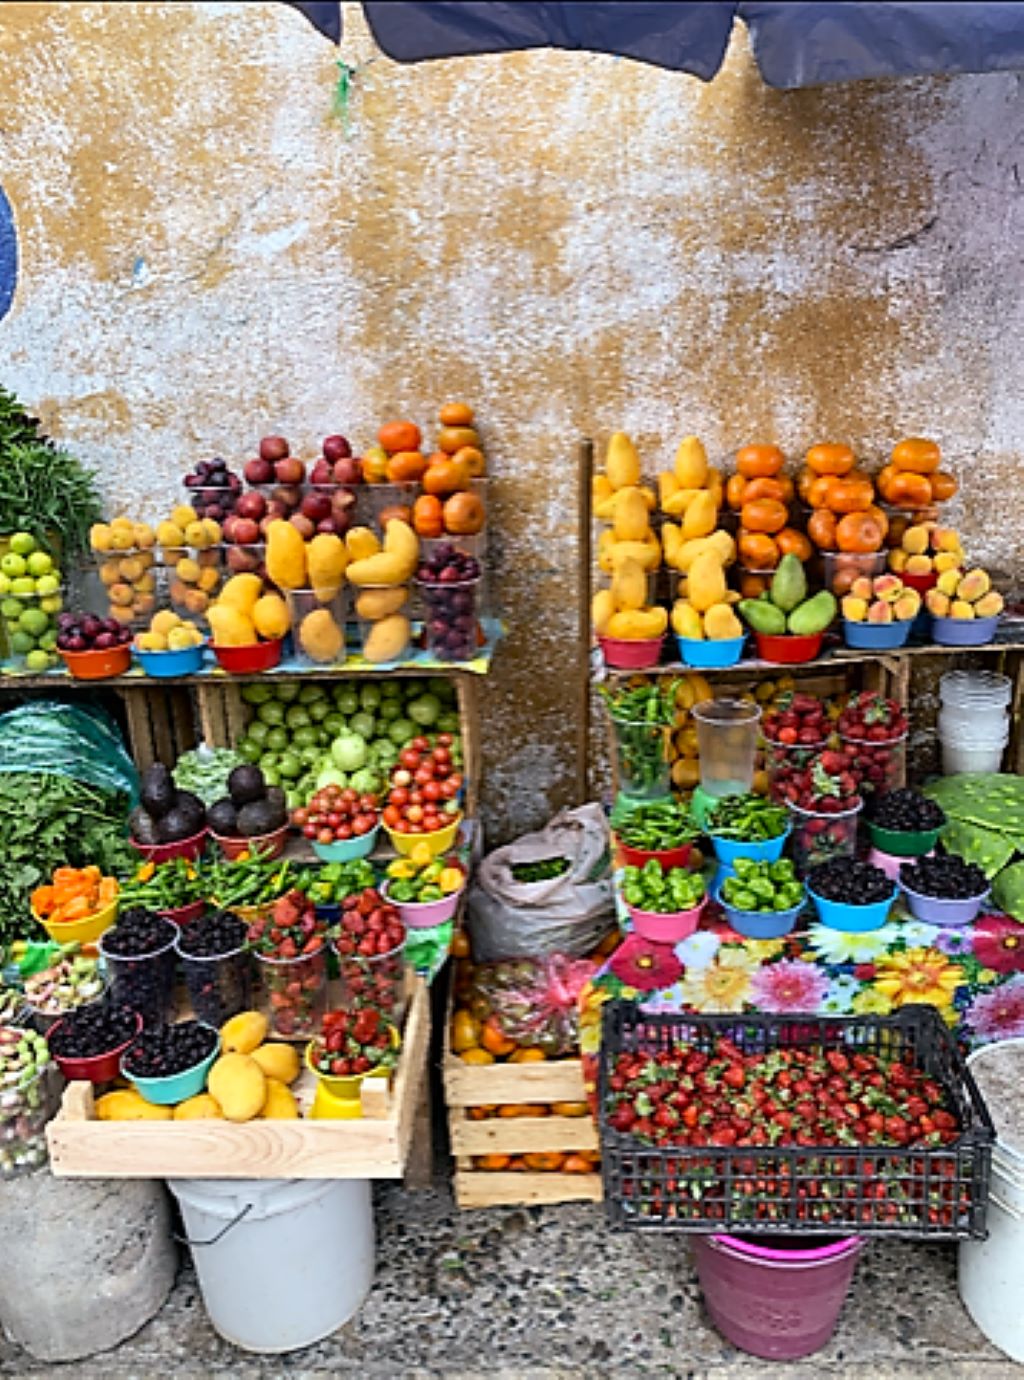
(451, 618)
(195, 577)
(244, 558)
(220, 986)
(373, 645)
(25, 1108)
(878, 766)
(294, 993)
(44, 1015)
(841, 568)
(323, 642)
(975, 690)
(642, 759)
(145, 983)
(378, 982)
(210, 501)
(128, 586)
(986, 724)
(975, 755)
(374, 499)
(727, 745)
(818, 837)
(28, 628)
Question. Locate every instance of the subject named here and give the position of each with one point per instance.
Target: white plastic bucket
(281, 1263)
(975, 689)
(991, 1271)
(973, 756)
(972, 723)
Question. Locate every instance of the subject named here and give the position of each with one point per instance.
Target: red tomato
(367, 802)
(409, 759)
(343, 831)
(444, 740)
(442, 754)
(432, 790)
(414, 814)
(449, 790)
(415, 797)
(362, 824)
(399, 796)
(348, 795)
(310, 831)
(392, 816)
(402, 827)
(423, 774)
(325, 836)
(456, 779)
(431, 823)
(420, 744)
(300, 818)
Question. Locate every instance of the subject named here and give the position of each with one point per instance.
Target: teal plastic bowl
(903, 843)
(839, 915)
(701, 652)
(187, 661)
(178, 1086)
(347, 850)
(763, 850)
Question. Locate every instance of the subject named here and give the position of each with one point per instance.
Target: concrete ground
(552, 1294)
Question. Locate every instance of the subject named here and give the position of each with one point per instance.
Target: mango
(326, 560)
(631, 517)
(948, 582)
(720, 623)
(167, 534)
(701, 516)
(960, 608)
(679, 501)
(388, 638)
(360, 543)
(241, 592)
(813, 615)
(286, 555)
(789, 584)
(918, 565)
(230, 627)
(239, 1085)
(668, 485)
(602, 606)
(278, 1061)
(271, 617)
(763, 616)
(280, 1104)
(973, 585)
(989, 605)
(127, 1104)
(706, 582)
(880, 612)
(601, 488)
(621, 462)
(686, 621)
(854, 608)
(633, 625)
(647, 553)
(629, 585)
(394, 565)
(937, 603)
(202, 1107)
(243, 1033)
(907, 606)
(320, 637)
(691, 464)
(372, 604)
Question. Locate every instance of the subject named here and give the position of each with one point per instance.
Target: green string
(342, 92)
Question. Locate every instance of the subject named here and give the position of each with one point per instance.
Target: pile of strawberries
(353, 1043)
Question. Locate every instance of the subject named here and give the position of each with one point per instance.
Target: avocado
(278, 802)
(246, 785)
(256, 818)
(191, 807)
(143, 827)
(176, 825)
(157, 794)
(222, 818)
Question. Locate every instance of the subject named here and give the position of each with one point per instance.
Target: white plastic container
(973, 754)
(991, 1271)
(975, 690)
(281, 1263)
(972, 723)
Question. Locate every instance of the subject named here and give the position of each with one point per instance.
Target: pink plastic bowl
(422, 915)
(666, 929)
(631, 655)
(189, 849)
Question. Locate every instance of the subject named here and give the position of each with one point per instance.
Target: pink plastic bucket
(772, 1301)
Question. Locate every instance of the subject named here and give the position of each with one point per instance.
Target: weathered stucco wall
(572, 243)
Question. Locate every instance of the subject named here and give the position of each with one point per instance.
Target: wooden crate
(468, 1085)
(376, 1146)
(161, 721)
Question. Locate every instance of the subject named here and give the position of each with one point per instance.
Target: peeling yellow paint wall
(572, 243)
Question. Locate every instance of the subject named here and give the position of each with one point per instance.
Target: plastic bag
(49, 738)
(534, 1001)
(569, 913)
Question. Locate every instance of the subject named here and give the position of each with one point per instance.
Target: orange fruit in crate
(577, 1164)
(492, 1162)
(465, 1031)
(493, 1038)
(545, 1161)
(399, 436)
(830, 458)
(759, 462)
(477, 1056)
(527, 1055)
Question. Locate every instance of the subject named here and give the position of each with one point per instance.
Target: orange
(917, 455)
(821, 528)
(852, 494)
(453, 438)
(908, 489)
(766, 488)
(759, 462)
(428, 521)
(527, 1055)
(513, 1110)
(546, 1161)
(943, 486)
(735, 490)
(396, 436)
(858, 532)
(830, 458)
(465, 1031)
(577, 1164)
(492, 1162)
(406, 466)
(819, 491)
(473, 459)
(792, 543)
(764, 515)
(477, 1056)
(757, 550)
(494, 1039)
(569, 1108)
(456, 414)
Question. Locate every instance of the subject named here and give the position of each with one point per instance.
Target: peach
(898, 560)
(861, 587)
(973, 585)
(854, 609)
(907, 606)
(937, 603)
(915, 540)
(989, 605)
(945, 539)
(947, 560)
(880, 612)
(960, 608)
(918, 565)
(888, 587)
(948, 582)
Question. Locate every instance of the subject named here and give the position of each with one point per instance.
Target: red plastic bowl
(189, 849)
(922, 583)
(788, 648)
(242, 660)
(183, 914)
(667, 857)
(111, 661)
(272, 844)
(98, 1068)
(631, 655)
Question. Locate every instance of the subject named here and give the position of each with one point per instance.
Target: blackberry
(218, 966)
(907, 811)
(850, 882)
(138, 932)
(219, 932)
(93, 1030)
(947, 878)
(169, 1049)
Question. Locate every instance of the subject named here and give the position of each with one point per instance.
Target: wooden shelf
(375, 1146)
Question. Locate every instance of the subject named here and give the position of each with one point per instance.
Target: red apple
(336, 448)
(242, 560)
(342, 503)
(316, 506)
(347, 471)
(337, 526)
(289, 471)
(302, 524)
(245, 531)
(288, 496)
(259, 471)
(251, 505)
(321, 472)
(228, 527)
(273, 448)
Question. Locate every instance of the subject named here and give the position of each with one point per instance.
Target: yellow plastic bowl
(438, 842)
(81, 931)
(344, 1090)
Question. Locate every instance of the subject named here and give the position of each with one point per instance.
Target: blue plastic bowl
(696, 651)
(876, 637)
(964, 632)
(768, 850)
(346, 850)
(838, 915)
(185, 662)
(178, 1086)
(760, 924)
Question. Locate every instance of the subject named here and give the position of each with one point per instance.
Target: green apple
(22, 543)
(21, 643)
(39, 563)
(5, 584)
(13, 564)
(53, 603)
(47, 584)
(34, 622)
(48, 641)
(23, 585)
(12, 609)
(38, 661)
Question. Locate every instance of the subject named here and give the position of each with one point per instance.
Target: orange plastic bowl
(261, 656)
(271, 845)
(99, 665)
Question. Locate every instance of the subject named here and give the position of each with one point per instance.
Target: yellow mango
(320, 637)
(989, 605)
(601, 488)
(271, 617)
(635, 624)
(278, 1061)
(960, 608)
(621, 462)
(974, 584)
(706, 581)
(898, 560)
(394, 565)
(948, 582)
(677, 504)
(231, 627)
(720, 623)
(127, 1104)
(239, 1085)
(202, 1107)
(686, 621)
(715, 485)
(668, 484)
(601, 609)
(691, 465)
(326, 559)
(243, 1033)
(286, 555)
(629, 585)
(631, 516)
(671, 540)
(388, 638)
(700, 687)
(360, 543)
(646, 553)
(701, 516)
(280, 1104)
(685, 773)
(372, 604)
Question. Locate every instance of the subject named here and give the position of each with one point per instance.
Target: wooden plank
(183, 719)
(212, 722)
(523, 1135)
(585, 554)
(501, 1189)
(141, 743)
(467, 697)
(160, 726)
(480, 1085)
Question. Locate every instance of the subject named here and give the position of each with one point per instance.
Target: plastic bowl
(347, 850)
(85, 931)
(787, 649)
(631, 655)
(838, 915)
(346, 1087)
(97, 1068)
(876, 637)
(271, 845)
(760, 924)
(943, 910)
(176, 1086)
(697, 651)
(666, 929)
(186, 661)
(922, 583)
(182, 915)
(439, 841)
(764, 850)
(423, 915)
(261, 656)
(964, 632)
(189, 849)
(664, 857)
(903, 843)
(101, 665)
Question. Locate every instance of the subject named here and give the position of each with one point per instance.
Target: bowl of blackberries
(140, 957)
(217, 966)
(93, 648)
(850, 895)
(905, 823)
(943, 890)
(88, 1043)
(449, 585)
(169, 1063)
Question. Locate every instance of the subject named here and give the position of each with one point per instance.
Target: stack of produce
(880, 599)
(761, 494)
(924, 550)
(251, 809)
(244, 612)
(845, 515)
(628, 550)
(785, 606)
(30, 600)
(165, 813)
(912, 479)
(126, 570)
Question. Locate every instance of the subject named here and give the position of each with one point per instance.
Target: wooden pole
(584, 507)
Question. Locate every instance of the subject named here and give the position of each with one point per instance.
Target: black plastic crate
(913, 1191)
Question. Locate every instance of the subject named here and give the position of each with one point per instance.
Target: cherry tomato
(409, 759)
(325, 836)
(431, 823)
(414, 813)
(444, 740)
(432, 790)
(420, 744)
(399, 796)
(401, 778)
(442, 754)
(367, 802)
(362, 824)
(423, 775)
(349, 795)
(310, 831)
(448, 789)
(392, 816)
(343, 831)
(300, 818)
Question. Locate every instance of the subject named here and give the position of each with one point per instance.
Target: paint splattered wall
(570, 242)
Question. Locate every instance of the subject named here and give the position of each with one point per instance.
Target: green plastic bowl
(903, 843)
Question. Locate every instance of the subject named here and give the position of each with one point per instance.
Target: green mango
(813, 615)
(762, 616)
(789, 584)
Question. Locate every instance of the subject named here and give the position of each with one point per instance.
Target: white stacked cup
(974, 721)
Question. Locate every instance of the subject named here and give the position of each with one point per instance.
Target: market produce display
(852, 882)
(747, 819)
(417, 883)
(252, 809)
(786, 607)
(31, 600)
(166, 814)
(665, 892)
(881, 599)
(74, 894)
(95, 1030)
(336, 813)
(907, 811)
(353, 1043)
(654, 826)
(425, 786)
(139, 954)
(169, 1049)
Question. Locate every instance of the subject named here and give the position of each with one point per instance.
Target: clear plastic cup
(374, 499)
(25, 1109)
(28, 629)
(877, 766)
(451, 618)
(128, 586)
(379, 645)
(727, 744)
(195, 576)
(322, 642)
(818, 837)
(841, 568)
(294, 993)
(145, 983)
(975, 690)
(219, 986)
(378, 982)
(642, 759)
